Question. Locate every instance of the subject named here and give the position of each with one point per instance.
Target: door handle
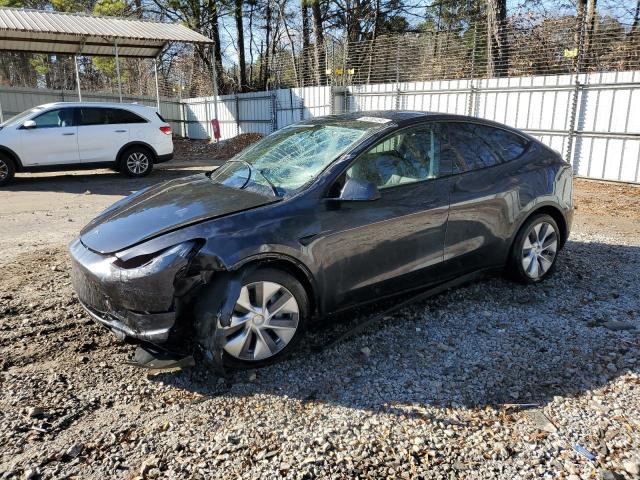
(68, 133)
(121, 131)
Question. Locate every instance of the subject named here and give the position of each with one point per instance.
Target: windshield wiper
(261, 172)
(273, 187)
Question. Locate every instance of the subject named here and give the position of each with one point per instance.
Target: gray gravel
(493, 380)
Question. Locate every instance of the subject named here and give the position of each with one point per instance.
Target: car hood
(163, 208)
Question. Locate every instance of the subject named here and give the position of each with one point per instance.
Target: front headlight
(127, 259)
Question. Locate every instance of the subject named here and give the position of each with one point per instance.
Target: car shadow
(102, 182)
(488, 343)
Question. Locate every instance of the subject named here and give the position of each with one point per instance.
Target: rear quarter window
(118, 115)
(465, 150)
(507, 145)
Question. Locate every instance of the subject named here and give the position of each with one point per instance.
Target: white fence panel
(605, 135)
(289, 107)
(242, 113)
(316, 101)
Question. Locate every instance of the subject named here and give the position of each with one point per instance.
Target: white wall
(605, 144)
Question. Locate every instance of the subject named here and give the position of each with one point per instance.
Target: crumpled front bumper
(132, 302)
(153, 328)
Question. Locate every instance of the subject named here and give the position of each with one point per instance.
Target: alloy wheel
(4, 170)
(539, 250)
(137, 163)
(264, 320)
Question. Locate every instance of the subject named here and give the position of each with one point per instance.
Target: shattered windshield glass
(291, 157)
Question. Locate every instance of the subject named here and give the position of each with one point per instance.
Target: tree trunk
(242, 67)
(296, 70)
(590, 29)
(267, 50)
(304, 69)
(320, 53)
(497, 43)
(250, 80)
(635, 26)
(215, 36)
(581, 8)
(374, 35)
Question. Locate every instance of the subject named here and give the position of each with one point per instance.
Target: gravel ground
(493, 380)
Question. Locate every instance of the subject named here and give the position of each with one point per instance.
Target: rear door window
(93, 116)
(507, 145)
(465, 150)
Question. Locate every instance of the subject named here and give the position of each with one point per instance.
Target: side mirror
(29, 124)
(359, 191)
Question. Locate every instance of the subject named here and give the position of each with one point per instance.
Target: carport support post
(115, 44)
(75, 62)
(155, 72)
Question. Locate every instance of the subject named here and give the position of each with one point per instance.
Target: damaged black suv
(318, 217)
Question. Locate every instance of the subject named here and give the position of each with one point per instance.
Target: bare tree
(306, 32)
(589, 31)
(242, 66)
(497, 42)
(283, 19)
(319, 32)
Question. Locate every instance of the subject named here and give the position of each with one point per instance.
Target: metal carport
(80, 34)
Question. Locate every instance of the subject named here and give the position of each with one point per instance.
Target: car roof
(404, 118)
(393, 115)
(94, 104)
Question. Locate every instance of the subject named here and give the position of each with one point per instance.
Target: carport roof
(73, 33)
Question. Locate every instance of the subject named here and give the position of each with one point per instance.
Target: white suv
(68, 136)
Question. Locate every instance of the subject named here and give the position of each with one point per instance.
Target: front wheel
(534, 252)
(136, 162)
(7, 170)
(268, 320)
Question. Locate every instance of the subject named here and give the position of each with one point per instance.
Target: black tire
(7, 170)
(515, 266)
(301, 297)
(136, 162)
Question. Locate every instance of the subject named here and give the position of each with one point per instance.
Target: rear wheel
(534, 252)
(268, 320)
(136, 162)
(7, 169)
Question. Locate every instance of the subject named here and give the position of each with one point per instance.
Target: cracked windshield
(290, 158)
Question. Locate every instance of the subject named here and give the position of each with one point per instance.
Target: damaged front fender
(214, 308)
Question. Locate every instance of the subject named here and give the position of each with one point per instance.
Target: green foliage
(110, 7)
(24, 3)
(70, 6)
(40, 64)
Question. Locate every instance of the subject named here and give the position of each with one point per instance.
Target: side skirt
(422, 295)
(67, 166)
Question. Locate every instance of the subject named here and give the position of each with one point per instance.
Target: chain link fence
(562, 45)
(553, 47)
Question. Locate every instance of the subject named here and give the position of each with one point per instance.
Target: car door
(53, 140)
(98, 139)
(375, 248)
(485, 194)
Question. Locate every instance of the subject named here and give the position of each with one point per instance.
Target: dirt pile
(187, 149)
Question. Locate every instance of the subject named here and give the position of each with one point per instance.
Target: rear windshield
(161, 117)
